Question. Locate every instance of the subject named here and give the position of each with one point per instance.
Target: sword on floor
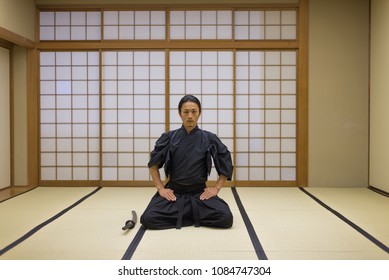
(130, 223)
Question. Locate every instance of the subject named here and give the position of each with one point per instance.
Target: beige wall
(18, 16)
(5, 140)
(338, 93)
(379, 95)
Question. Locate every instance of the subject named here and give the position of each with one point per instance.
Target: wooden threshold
(10, 192)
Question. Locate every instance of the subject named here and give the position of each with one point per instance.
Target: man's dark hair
(189, 98)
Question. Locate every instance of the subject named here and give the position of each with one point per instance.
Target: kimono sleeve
(161, 148)
(221, 156)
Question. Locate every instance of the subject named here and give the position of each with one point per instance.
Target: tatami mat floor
(364, 207)
(287, 222)
(22, 213)
(291, 225)
(92, 230)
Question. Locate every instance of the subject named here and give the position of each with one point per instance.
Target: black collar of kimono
(192, 131)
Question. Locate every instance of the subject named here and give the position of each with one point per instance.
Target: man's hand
(209, 192)
(213, 191)
(167, 194)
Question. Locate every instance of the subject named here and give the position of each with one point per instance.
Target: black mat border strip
(379, 191)
(40, 226)
(134, 244)
(249, 226)
(347, 221)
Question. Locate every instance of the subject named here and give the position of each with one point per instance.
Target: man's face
(190, 113)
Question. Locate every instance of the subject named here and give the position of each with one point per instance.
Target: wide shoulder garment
(168, 142)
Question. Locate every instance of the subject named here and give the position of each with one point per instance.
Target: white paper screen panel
(133, 111)
(69, 115)
(134, 25)
(132, 114)
(204, 25)
(183, 25)
(266, 115)
(66, 25)
(265, 25)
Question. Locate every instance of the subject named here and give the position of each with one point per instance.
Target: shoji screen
(132, 114)
(69, 116)
(134, 25)
(266, 115)
(205, 25)
(265, 25)
(66, 25)
(133, 111)
(106, 100)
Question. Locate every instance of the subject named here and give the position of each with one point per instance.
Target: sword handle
(130, 223)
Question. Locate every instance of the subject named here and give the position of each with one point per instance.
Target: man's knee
(223, 220)
(146, 220)
(227, 220)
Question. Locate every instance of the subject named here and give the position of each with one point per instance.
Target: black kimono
(187, 163)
